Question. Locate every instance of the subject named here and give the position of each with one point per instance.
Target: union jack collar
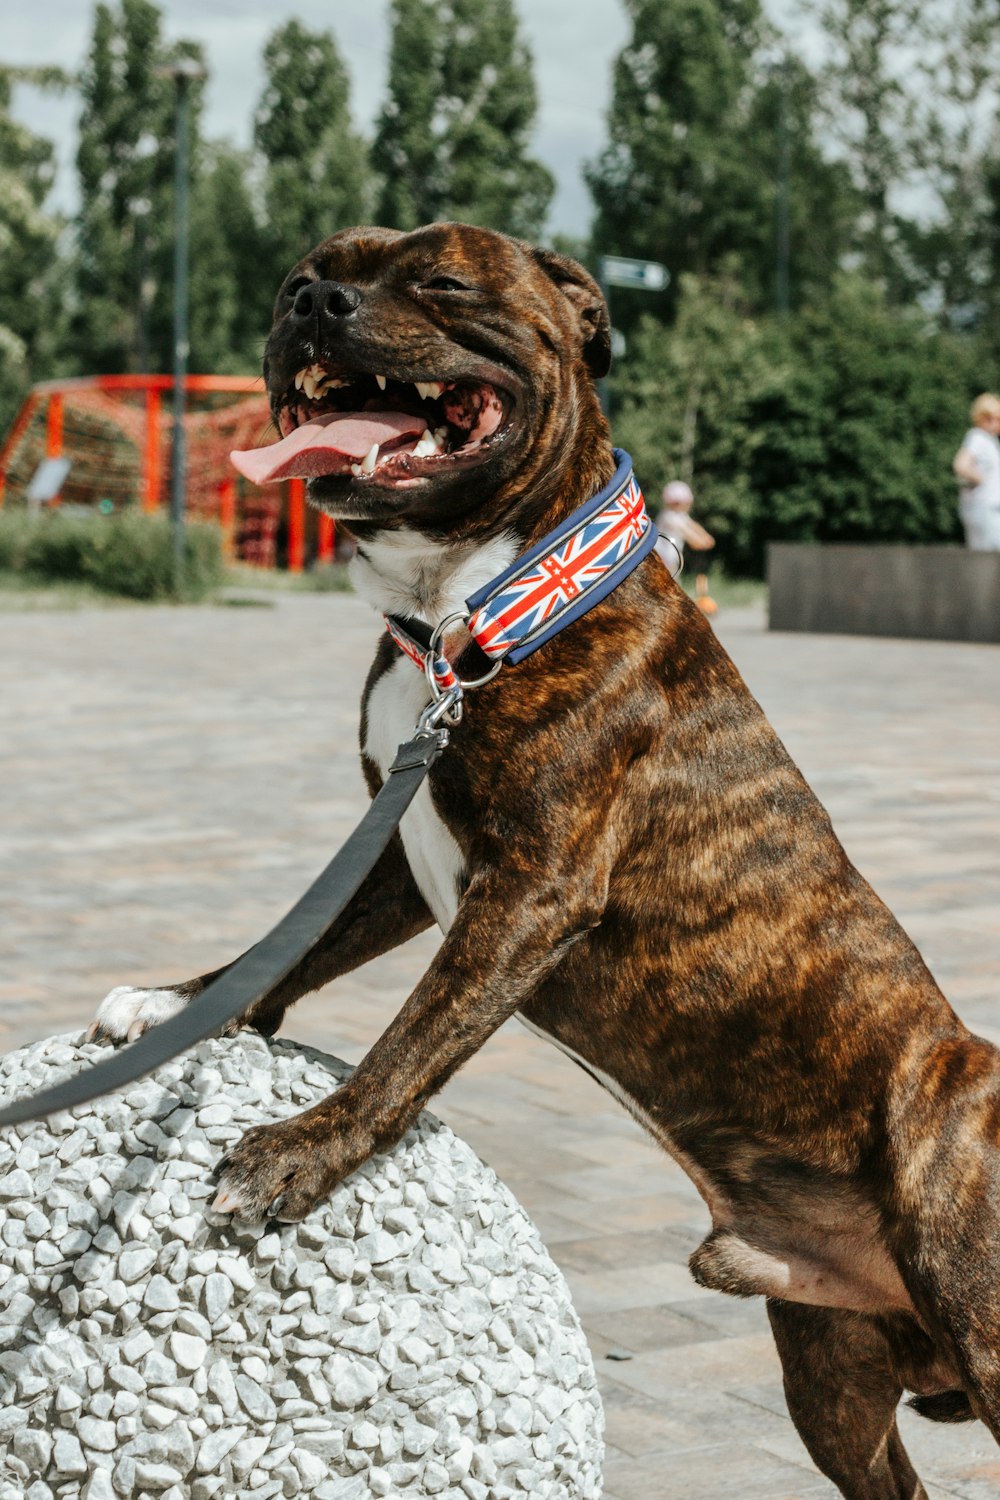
(570, 570)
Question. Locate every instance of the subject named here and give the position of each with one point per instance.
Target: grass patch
(323, 578)
(728, 593)
(29, 592)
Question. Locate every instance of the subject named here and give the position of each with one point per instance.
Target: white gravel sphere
(411, 1337)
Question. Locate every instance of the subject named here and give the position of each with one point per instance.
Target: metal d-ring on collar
(453, 695)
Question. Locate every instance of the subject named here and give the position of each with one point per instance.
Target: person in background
(977, 468)
(675, 525)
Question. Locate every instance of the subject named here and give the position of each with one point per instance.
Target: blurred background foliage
(832, 231)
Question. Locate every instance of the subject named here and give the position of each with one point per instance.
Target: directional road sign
(643, 275)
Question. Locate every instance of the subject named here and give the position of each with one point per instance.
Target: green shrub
(59, 546)
(836, 424)
(133, 555)
(16, 532)
(129, 553)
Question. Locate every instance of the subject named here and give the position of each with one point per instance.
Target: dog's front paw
(126, 1013)
(282, 1171)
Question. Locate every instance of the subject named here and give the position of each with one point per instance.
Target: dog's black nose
(325, 300)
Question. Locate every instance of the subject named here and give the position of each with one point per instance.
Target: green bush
(133, 555)
(17, 530)
(129, 553)
(59, 546)
(836, 424)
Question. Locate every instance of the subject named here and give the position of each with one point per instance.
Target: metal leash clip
(445, 709)
(449, 700)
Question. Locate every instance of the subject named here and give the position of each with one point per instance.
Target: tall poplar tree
(405, 151)
(230, 302)
(667, 184)
(453, 137)
(874, 73)
(314, 164)
(950, 245)
(691, 172)
(31, 302)
(125, 166)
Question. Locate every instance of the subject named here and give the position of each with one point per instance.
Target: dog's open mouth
(374, 427)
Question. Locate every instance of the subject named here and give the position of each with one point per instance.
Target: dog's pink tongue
(328, 444)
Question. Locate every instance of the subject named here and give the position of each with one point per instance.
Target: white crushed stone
(412, 1337)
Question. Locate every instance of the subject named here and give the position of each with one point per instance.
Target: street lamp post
(782, 198)
(184, 72)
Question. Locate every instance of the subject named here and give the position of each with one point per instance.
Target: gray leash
(253, 976)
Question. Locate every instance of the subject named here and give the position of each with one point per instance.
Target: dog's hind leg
(842, 1396)
(387, 910)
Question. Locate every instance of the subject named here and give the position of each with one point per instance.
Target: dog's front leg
(387, 910)
(507, 936)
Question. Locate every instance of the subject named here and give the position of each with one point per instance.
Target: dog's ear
(587, 300)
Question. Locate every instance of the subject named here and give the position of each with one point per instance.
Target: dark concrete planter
(929, 593)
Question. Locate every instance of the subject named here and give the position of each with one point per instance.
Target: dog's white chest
(394, 706)
(408, 574)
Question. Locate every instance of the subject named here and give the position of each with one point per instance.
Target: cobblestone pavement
(172, 779)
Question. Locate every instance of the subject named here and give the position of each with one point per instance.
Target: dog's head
(438, 371)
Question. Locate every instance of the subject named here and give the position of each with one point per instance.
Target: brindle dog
(619, 849)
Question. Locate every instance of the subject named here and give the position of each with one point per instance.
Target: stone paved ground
(172, 779)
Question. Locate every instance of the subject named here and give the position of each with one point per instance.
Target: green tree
(949, 249)
(783, 156)
(663, 184)
(873, 110)
(683, 400)
(856, 442)
(30, 275)
(453, 137)
(838, 424)
(315, 171)
(230, 302)
(691, 170)
(125, 164)
(405, 151)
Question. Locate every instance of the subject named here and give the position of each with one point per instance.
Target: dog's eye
(444, 284)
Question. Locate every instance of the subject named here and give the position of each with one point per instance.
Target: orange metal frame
(53, 392)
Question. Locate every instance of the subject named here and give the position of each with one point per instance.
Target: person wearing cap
(676, 526)
(977, 468)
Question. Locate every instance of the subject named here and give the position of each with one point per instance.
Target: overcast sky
(573, 45)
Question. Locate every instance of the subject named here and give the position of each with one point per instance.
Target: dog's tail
(946, 1406)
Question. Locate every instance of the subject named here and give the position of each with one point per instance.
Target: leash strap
(263, 966)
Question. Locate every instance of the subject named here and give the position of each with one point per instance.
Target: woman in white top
(977, 467)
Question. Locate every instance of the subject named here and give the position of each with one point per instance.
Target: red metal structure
(112, 427)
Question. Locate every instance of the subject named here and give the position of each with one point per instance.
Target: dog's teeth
(370, 460)
(300, 376)
(309, 385)
(434, 388)
(380, 382)
(426, 446)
